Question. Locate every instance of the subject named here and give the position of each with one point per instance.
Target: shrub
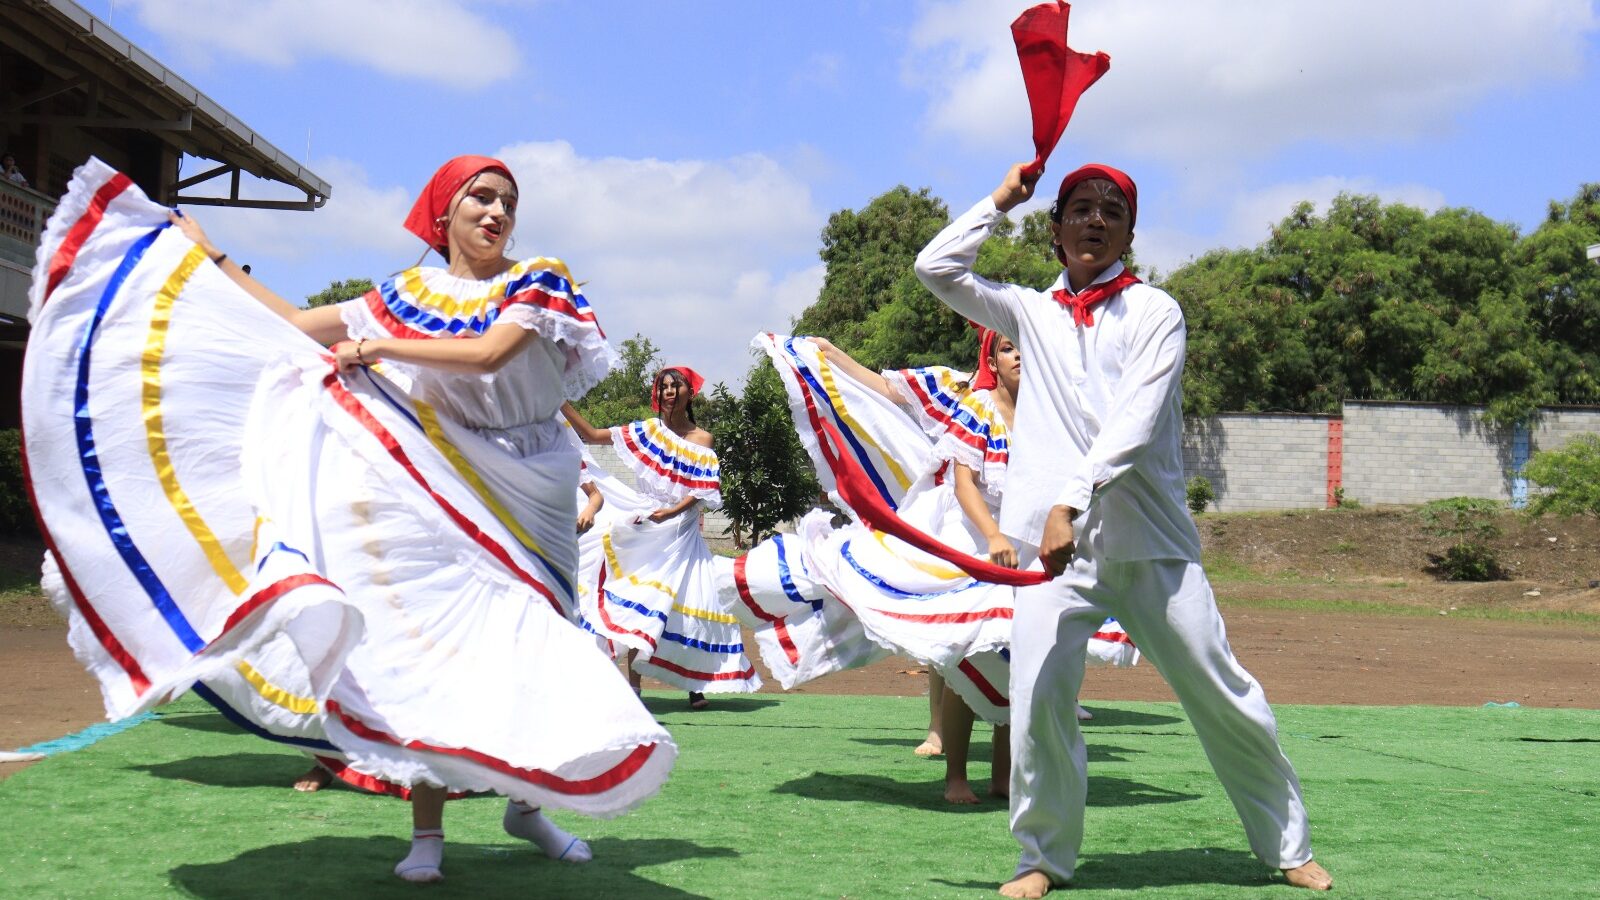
(1200, 494)
(1463, 518)
(1340, 501)
(16, 513)
(1466, 562)
(1469, 521)
(1570, 478)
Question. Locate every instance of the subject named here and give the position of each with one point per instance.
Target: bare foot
(314, 780)
(1310, 876)
(1084, 715)
(698, 701)
(959, 792)
(1000, 789)
(930, 746)
(1029, 884)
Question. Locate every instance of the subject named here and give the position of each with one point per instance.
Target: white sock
(528, 823)
(427, 854)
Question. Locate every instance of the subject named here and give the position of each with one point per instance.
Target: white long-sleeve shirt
(1099, 421)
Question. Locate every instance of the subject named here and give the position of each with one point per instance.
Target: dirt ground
(1300, 655)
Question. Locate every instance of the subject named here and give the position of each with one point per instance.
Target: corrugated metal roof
(243, 146)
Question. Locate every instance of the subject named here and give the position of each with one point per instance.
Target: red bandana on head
(985, 380)
(424, 220)
(1054, 74)
(694, 379)
(1130, 191)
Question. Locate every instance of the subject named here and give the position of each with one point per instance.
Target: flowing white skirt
(652, 588)
(334, 565)
(817, 598)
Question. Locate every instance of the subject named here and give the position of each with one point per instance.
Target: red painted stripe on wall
(1335, 460)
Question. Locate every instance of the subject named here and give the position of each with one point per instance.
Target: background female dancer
(659, 594)
(969, 468)
(367, 555)
(945, 478)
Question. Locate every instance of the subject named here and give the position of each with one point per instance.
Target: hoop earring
(510, 242)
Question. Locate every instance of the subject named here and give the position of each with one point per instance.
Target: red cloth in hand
(863, 498)
(1054, 74)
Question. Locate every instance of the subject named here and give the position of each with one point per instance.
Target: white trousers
(1168, 609)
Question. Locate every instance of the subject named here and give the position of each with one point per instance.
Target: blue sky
(682, 157)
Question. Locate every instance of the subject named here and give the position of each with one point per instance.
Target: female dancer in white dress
(656, 591)
(944, 479)
(365, 554)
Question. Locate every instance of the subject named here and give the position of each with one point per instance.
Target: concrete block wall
(1260, 461)
(1416, 452)
(1559, 424)
(1391, 453)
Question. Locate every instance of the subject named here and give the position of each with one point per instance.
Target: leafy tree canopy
(340, 291)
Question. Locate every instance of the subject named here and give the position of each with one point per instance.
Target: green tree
(624, 395)
(1570, 478)
(866, 252)
(340, 291)
(1369, 301)
(766, 475)
(915, 328)
(1560, 288)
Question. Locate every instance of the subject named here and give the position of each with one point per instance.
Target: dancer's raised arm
(855, 370)
(322, 324)
(586, 432)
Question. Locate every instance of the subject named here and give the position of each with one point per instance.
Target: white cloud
(820, 71)
(358, 217)
(697, 255)
(410, 38)
(1209, 81)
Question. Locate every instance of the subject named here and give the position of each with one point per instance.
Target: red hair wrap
(694, 379)
(433, 203)
(984, 379)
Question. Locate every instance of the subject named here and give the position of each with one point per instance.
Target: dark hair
(661, 376)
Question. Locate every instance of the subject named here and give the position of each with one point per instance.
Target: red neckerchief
(1080, 302)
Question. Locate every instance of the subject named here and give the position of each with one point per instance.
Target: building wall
(1381, 453)
(1260, 461)
(1413, 453)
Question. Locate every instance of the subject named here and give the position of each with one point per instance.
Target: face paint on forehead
(1101, 194)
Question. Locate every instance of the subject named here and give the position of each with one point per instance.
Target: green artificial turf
(820, 796)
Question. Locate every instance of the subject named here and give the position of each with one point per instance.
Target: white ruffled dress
(376, 568)
(654, 586)
(853, 581)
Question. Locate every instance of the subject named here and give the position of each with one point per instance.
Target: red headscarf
(1054, 74)
(984, 379)
(694, 379)
(424, 221)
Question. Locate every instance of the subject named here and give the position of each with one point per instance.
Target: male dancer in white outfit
(1096, 485)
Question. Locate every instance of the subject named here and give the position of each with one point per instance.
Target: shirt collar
(1111, 272)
